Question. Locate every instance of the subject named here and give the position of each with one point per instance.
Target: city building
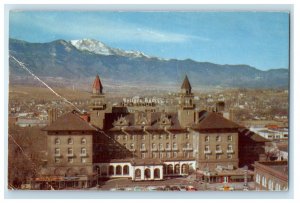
(143, 145)
(271, 175)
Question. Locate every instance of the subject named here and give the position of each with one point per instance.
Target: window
(258, 178)
(57, 160)
(206, 148)
(57, 141)
(57, 151)
(160, 146)
(160, 137)
(125, 137)
(175, 154)
(168, 146)
(161, 155)
(70, 159)
(270, 185)
(187, 136)
(143, 137)
(131, 146)
(206, 138)
(264, 181)
(83, 160)
(143, 155)
(83, 141)
(229, 138)
(174, 136)
(174, 145)
(206, 156)
(168, 154)
(167, 136)
(125, 145)
(277, 187)
(229, 156)
(70, 141)
(218, 147)
(153, 137)
(70, 151)
(143, 146)
(153, 145)
(118, 137)
(218, 156)
(188, 146)
(153, 154)
(83, 151)
(131, 137)
(218, 138)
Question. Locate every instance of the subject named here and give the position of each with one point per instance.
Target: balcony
(153, 149)
(219, 151)
(71, 155)
(132, 150)
(143, 149)
(168, 149)
(58, 155)
(230, 151)
(188, 149)
(207, 151)
(161, 149)
(83, 155)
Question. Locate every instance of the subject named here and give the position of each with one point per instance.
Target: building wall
(163, 145)
(266, 179)
(210, 158)
(60, 159)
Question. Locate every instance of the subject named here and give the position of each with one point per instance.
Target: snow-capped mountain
(98, 47)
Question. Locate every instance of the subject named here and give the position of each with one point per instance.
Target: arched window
(264, 181)
(83, 151)
(118, 170)
(185, 169)
(177, 169)
(83, 141)
(270, 185)
(174, 145)
(206, 138)
(111, 170)
(258, 178)
(147, 173)
(218, 138)
(137, 173)
(57, 141)
(156, 173)
(125, 170)
(170, 169)
(70, 141)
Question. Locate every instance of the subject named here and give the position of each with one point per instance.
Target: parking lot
(174, 184)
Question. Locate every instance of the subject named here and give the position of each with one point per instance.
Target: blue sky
(259, 39)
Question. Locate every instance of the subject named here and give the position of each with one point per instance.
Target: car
(175, 188)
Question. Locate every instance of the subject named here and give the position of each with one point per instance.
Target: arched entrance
(125, 170)
(118, 170)
(185, 169)
(177, 169)
(137, 173)
(70, 172)
(147, 173)
(156, 173)
(111, 170)
(170, 169)
(103, 170)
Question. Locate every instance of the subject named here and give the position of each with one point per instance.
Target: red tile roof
(70, 122)
(212, 120)
(97, 86)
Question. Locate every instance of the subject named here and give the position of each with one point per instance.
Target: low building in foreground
(271, 175)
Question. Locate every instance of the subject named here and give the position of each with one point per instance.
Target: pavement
(201, 186)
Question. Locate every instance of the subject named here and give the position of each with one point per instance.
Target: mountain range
(78, 60)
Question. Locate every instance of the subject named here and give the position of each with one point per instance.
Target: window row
(70, 151)
(218, 156)
(218, 147)
(143, 137)
(70, 160)
(69, 141)
(162, 155)
(159, 146)
(218, 138)
(261, 179)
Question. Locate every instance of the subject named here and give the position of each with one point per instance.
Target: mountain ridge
(60, 58)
